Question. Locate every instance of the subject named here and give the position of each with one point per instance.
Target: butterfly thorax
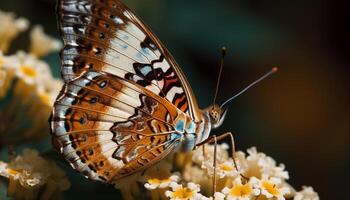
(196, 132)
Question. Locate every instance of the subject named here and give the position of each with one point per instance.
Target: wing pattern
(123, 92)
(104, 35)
(107, 127)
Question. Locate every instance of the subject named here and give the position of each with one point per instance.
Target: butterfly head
(217, 115)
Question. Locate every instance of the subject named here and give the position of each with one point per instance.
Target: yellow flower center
(12, 172)
(29, 71)
(226, 168)
(155, 181)
(183, 193)
(271, 188)
(240, 190)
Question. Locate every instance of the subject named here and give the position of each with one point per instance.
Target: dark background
(299, 116)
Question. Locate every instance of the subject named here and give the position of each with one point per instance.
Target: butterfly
(125, 104)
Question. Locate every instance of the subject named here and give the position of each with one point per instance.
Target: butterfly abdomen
(193, 133)
(203, 128)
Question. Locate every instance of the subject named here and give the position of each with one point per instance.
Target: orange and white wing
(122, 93)
(104, 35)
(108, 127)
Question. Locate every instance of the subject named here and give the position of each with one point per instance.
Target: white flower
(198, 156)
(31, 162)
(219, 196)
(225, 169)
(254, 160)
(179, 192)
(34, 79)
(32, 71)
(10, 63)
(154, 183)
(261, 165)
(240, 191)
(270, 187)
(29, 179)
(30, 174)
(42, 44)
(307, 193)
(269, 168)
(199, 176)
(261, 177)
(10, 27)
(3, 169)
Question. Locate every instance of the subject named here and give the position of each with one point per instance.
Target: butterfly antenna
(272, 71)
(223, 53)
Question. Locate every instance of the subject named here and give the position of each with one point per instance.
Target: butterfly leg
(211, 139)
(214, 139)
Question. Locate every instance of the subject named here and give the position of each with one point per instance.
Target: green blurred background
(300, 116)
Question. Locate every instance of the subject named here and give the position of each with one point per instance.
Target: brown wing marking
(104, 35)
(101, 123)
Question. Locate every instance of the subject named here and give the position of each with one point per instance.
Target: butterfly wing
(104, 35)
(108, 127)
(123, 91)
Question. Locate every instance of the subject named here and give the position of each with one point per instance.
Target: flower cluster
(32, 177)
(256, 176)
(26, 83)
(27, 93)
